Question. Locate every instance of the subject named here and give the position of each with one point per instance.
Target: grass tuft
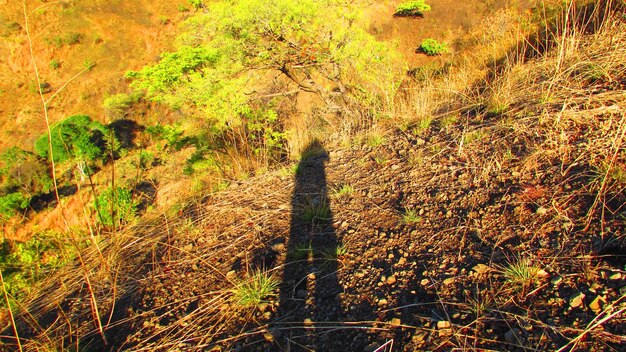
(257, 286)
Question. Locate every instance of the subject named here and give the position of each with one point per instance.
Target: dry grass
(559, 99)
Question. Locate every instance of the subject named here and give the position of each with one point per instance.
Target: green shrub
(116, 106)
(412, 9)
(11, 204)
(197, 4)
(24, 172)
(433, 47)
(115, 208)
(55, 64)
(75, 137)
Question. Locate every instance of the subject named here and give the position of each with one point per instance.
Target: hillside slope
(497, 225)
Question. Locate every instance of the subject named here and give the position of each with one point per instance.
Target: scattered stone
(231, 274)
(443, 324)
(262, 306)
(514, 336)
(576, 300)
(542, 274)
(311, 276)
(418, 338)
(420, 141)
(382, 302)
(481, 269)
(308, 322)
(268, 336)
(402, 261)
(556, 281)
(449, 281)
(278, 247)
(391, 280)
(596, 304)
(424, 282)
(615, 277)
(194, 267)
(360, 274)
(541, 211)
(396, 322)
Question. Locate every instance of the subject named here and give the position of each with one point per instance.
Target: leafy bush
(11, 204)
(433, 47)
(116, 106)
(115, 208)
(75, 137)
(23, 263)
(412, 9)
(23, 171)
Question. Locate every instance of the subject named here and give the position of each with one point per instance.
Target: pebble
(596, 304)
(541, 211)
(424, 282)
(449, 281)
(231, 274)
(443, 324)
(278, 247)
(391, 280)
(382, 302)
(514, 336)
(576, 300)
(396, 322)
(556, 281)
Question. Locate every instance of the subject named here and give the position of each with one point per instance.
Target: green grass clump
(316, 211)
(255, 289)
(433, 47)
(412, 9)
(344, 190)
(411, 217)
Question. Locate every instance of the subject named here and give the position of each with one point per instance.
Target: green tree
(75, 137)
(229, 52)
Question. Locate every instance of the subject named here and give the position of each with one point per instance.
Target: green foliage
(411, 216)
(117, 105)
(412, 8)
(11, 204)
(75, 137)
(197, 4)
(314, 210)
(226, 53)
(115, 208)
(67, 39)
(433, 47)
(54, 64)
(255, 288)
(23, 263)
(344, 190)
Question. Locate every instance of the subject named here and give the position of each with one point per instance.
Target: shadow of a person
(310, 303)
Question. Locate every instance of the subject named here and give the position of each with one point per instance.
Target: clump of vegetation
(24, 263)
(433, 47)
(255, 289)
(117, 105)
(54, 64)
(115, 208)
(75, 137)
(412, 9)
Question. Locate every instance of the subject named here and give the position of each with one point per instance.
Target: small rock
(420, 141)
(311, 276)
(391, 280)
(514, 336)
(541, 211)
(396, 322)
(382, 302)
(278, 247)
(596, 304)
(360, 274)
(344, 225)
(418, 338)
(515, 174)
(443, 324)
(542, 274)
(402, 261)
(449, 281)
(390, 256)
(268, 336)
(576, 300)
(395, 167)
(615, 277)
(231, 274)
(188, 248)
(308, 322)
(556, 281)
(481, 269)
(424, 282)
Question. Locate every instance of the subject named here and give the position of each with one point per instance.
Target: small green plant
(89, 64)
(115, 208)
(314, 210)
(255, 288)
(433, 47)
(412, 9)
(344, 190)
(411, 216)
(333, 254)
(197, 4)
(472, 136)
(423, 124)
(520, 273)
(302, 251)
(375, 140)
(54, 64)
(11, 204)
